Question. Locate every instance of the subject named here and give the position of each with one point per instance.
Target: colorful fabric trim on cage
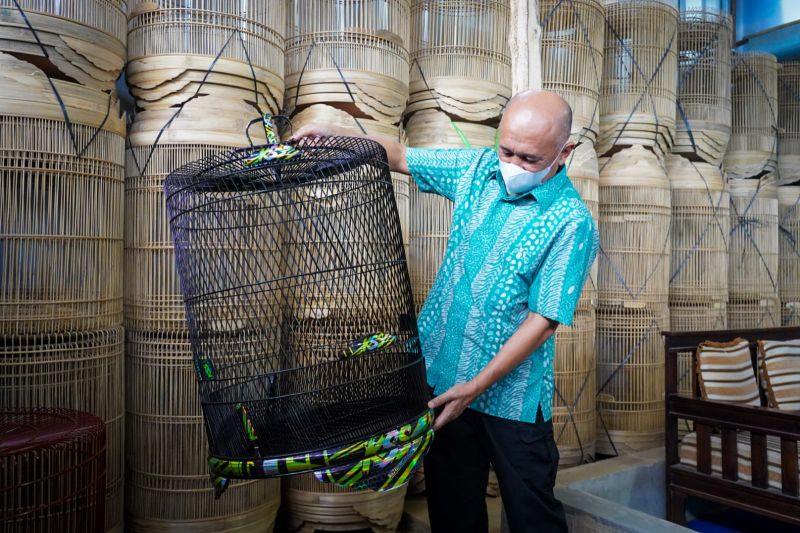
(271, 153)
(383, 462)
(369, 344)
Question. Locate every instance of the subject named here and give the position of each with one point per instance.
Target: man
(520, 248)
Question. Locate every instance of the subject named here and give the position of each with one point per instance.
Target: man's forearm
(528, 338)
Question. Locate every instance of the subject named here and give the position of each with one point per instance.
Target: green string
(461, 134)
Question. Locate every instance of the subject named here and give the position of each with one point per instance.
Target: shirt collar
(544, 194)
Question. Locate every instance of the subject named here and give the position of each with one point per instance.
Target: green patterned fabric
(506, 255)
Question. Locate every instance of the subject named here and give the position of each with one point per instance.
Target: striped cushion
(688, 456)
(780, 367)
(725, 372)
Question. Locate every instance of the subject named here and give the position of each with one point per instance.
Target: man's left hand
(454, 400)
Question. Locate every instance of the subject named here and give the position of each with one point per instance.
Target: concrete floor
(415, 518)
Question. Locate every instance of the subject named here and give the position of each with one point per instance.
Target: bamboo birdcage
(572, 59)
(789, 267)
(754, 299)
(461, 64)
(704, 84)
(583, 172)
(312, 506)
(754, 123)
(167, 479)
(322, 114)
(236, 48)
(630, 376)
(700, 229)
(52, 470)
(789, 122)
(84, 41)
(349, 53)
(634, 225)
(430, 214)
(753, 248)
(574, 404)
(61, 213)
(75, 370)
(637, 97)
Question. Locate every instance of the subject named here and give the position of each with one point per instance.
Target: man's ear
(566, 152)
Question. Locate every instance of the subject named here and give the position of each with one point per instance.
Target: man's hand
(455, 400)
(313, 131)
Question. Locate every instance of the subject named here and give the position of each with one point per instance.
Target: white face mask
(519, 181)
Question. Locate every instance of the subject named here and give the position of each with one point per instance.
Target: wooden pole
(524, 42)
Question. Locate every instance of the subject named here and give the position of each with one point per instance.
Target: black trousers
(525, 459)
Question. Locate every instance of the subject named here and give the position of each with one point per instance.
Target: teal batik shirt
(505, 256)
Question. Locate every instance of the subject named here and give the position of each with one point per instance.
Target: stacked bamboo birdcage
(789, 267)
(637, 101)
(61, 224)
(453, 44)
(572, 59)
(704, 84)
(754, 134)
(633, 308)
(351, 54)
(789, 122)
(197, 72)
(753, 300)
(572, 62)
(574, 407)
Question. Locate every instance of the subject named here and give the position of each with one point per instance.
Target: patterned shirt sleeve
(439, 170)
(558, 284)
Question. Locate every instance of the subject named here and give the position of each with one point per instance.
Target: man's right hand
(314, 131)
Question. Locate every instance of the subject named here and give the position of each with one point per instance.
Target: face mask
(518, 180)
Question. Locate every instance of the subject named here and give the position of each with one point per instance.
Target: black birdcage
(300, 313)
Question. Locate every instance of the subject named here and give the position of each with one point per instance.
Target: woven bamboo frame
(698, 316)
(754, 96)
(170, 48)
(52, 471)
(461, 50)
(574, 407)
(325, 114)
(167, 478)
(107, 16)
(365, 39)
(83, 40)
(754, 241)
(758, 313)
(430, 214)
(704, 84)
(789, 267)
(634, 225)
(62, 227)
(153, 298)
(583, 172)
(789, 122)
(630, 362)
(77, 370)
(311, 506)
(572, 59)
(637, 102)
(700, 229)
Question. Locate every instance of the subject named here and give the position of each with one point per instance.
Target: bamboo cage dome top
(638, 90)
(704, 84)
(460, 57)
(752, 150)
(764, 187)
(321, 226)
(633, 167)
(789, 122)
(25, 92)
(325, 114)
(432, 128)
(686, 174)
(572, 57)
(582, 162)
(107, 16)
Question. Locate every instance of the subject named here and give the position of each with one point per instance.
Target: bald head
(534, 128)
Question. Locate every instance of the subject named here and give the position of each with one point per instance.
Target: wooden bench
(722, 425)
